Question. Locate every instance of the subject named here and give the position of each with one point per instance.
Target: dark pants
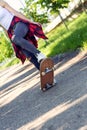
(32, 58)
(28, 49)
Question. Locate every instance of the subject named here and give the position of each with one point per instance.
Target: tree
(83, 7)
(34, 12)
(6, 50)
(38, 10)
(54, 6)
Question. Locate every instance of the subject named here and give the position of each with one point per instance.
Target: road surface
(23, 106)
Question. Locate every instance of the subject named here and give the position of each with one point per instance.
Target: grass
(13, 61)
(62, 40)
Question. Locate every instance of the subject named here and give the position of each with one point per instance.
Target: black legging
(28, 49)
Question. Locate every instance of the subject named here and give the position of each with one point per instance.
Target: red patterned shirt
(34, 30)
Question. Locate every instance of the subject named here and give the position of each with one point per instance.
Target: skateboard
(47, 74)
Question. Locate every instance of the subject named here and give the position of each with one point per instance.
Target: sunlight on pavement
(71, 62)
(83, 128)
(52, 113)
(9, 94)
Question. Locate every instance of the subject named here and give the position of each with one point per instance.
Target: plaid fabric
(34, 30)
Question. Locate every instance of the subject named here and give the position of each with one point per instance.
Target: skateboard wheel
(43, 73)
(53, 84)
(43, 89)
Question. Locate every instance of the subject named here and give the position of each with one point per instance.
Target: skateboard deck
(46, 73)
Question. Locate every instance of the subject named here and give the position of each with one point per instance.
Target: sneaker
(40, 56)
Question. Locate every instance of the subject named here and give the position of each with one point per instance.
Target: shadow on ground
(64, 107)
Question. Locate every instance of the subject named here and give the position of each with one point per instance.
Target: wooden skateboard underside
(46, 73)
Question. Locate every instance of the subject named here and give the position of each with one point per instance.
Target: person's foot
(40, 56)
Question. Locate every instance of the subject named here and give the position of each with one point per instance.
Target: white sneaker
(40, 56)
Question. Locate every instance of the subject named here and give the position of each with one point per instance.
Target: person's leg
(20, 32)
(32, 58)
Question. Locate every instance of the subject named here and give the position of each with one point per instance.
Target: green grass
(61, 40)
(13, 61)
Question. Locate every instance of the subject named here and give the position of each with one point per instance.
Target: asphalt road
(23, 106)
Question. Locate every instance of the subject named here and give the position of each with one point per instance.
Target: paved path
(23, 106)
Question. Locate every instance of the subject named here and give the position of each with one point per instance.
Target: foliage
(33, 11)
(5, 47)
(12, 61)
(39, 10)
(60, 40)
(53, 5)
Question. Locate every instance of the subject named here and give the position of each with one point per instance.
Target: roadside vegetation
(62, 40)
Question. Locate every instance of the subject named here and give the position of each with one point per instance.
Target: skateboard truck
(47, 70)
(48, 86)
